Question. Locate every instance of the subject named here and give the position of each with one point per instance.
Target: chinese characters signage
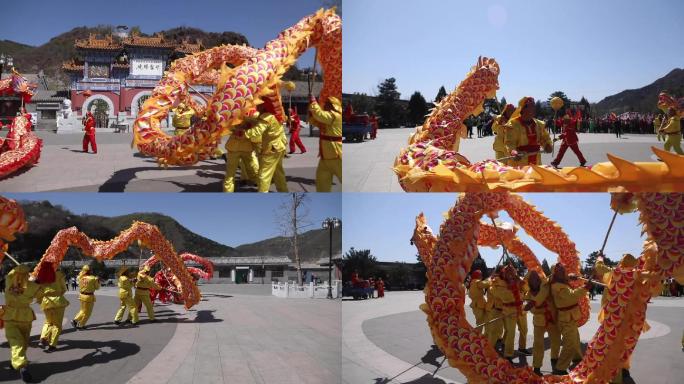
(147, 67)
(98, 71)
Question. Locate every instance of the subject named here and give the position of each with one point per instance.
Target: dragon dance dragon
(431, 162)
(449, 256)
(252, 79)
(169, 283)
(21, 147)
(13, 221)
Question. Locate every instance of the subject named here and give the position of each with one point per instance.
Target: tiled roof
(186, 46)
(156, 41)
(92, 42)
(72, 65)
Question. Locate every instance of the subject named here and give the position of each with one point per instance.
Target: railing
(306, 291)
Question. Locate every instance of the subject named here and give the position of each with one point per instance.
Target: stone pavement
(388, 341)
(119, 168)
(368, 165)
(245, 337)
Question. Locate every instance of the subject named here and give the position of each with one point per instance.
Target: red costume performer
(89, 137)
(374, 126)
(295, 127)
(380, 286)
(570, 139)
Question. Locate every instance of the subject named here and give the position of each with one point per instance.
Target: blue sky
(384, 223)
(230, 219)
(583, 47)
(34, 22)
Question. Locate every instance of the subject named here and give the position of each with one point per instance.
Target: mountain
(50, 56)
(45, 220)
(313, 245)
(643, 99)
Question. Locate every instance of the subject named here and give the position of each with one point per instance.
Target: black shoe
(25, 375)
(537, 371)
(74, 323)
(553, 363)
(559, 372)
(583, 164)
(117, 322)
(153, 320)
(50, 348)
(525, 352)
(42, 343)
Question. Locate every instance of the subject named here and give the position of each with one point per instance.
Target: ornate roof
(186, 46)
(92, 42)
(156, 41)
(72, 65)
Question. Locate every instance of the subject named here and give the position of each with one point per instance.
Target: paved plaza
(388, 341)
(368, 165)
(237, 334)
(119, 168)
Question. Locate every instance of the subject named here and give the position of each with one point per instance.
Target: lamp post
(330, 224)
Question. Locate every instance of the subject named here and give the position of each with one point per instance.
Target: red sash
(532, 143)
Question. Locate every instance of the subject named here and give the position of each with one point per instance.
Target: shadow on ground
(98, 352)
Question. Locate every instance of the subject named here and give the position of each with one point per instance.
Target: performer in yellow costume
(476, 293)
(499, 129)
(544, 317)
(566, 300)
(53, 305)
(239, 153)
(87, 285)
(182, 119)
(126, 283)
(142, 291)
(494, 330)
(521, 320)
(267, 129)
(526, 136)
(507, 291)
(329, 120)
(657, 122)
(18, 316)
(673, 130)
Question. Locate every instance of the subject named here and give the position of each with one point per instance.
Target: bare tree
(292, 217)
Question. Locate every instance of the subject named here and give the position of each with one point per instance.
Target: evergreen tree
(387, 103)
(361, 261)
(440, 94)
(417, 108)
(362, 103)
(560, 94)
(545, 267)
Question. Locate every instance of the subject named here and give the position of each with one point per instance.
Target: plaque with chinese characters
(147, 67)
(98, 71)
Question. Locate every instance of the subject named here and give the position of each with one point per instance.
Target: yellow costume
(518, 139)
(544, 320)
(656, 127)
(493, 330)
(126, 282)
(521, 320)
(239, 153)
(182, 119)
(18, 315)
(566, 300)
(270, 132)
(87, 285)
(478, 304)
(53, 305)
(510, 310)
(674, 135)
(142, 291)
(499, 145)
(330, 152)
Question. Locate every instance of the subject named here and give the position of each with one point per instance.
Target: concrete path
(368, 165)
(388, 341)
(119, 168)
(244, 337)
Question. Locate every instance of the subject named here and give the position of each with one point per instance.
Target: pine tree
(417, 108)
(440, 94)
(387, 103)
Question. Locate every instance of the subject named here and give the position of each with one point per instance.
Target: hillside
(45, 220)
(313, 245)
(50, 56)
(645, 98)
